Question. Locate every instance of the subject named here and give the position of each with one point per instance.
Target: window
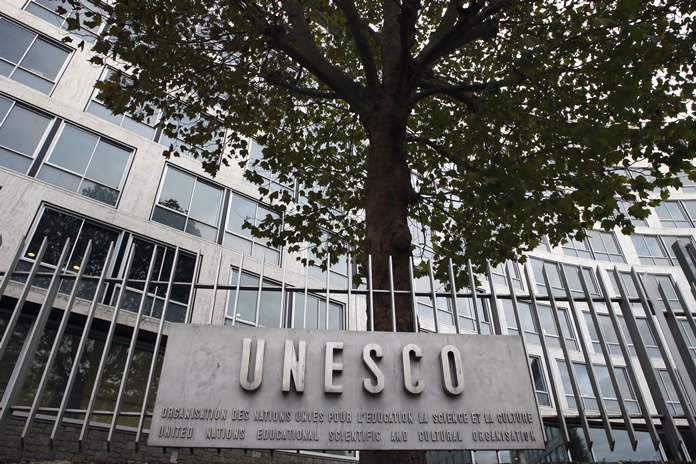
(271, 181)
(550, 330)
(670, 393)
(651, 282)
(316, 313)
(195, 206)
(22, 131)
(338, 272)
(688, 185)
(531, 332)
(237, 237)
(623, 208)
(159, 274)
(146, 128)
(30, 59)
(657, 250)
(672, 214)
(184, 125)
(688, 336)
(610, 336)
(589, 401)
(46, 10)
(572, 274)
(269, 312)
(604, 246)
(58, 226)
(245, 298)
(499, 276)
(86, 163)
(542, 391)
(187, 203)
(598, 245)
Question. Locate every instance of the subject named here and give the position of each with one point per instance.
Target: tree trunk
(388, 194)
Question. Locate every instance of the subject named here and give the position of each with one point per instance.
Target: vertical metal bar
(304, 305)
(569, 361)
(684, 400)
(82, 345)
(606, 353)
(414, 299)
(56, 344)
(523, 338)
(155, 350)
(474, 299)
(13, 265)
(259, 292)
(453, 295)
(495, 311)
(391, 294)
(192, 289)
(26, 355)
(574, 314)
(545, 351)
(215, 289)
(328, 283)
(433, 296)
(627, 355)
(236, 291)
(370, 302)
(673, 437)
(131, 347)
(9, 329)
(107, 346)
(349, 288)
(687, 361)
(282, 298)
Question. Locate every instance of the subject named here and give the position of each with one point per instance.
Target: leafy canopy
(524, 117)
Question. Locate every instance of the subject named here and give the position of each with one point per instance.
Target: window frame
(50, 41)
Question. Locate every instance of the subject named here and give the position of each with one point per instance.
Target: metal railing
(49, 320)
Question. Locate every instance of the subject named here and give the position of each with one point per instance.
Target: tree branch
(362, 45)
(433, 89)
(277, 80)
(439, 149)
(307, 54)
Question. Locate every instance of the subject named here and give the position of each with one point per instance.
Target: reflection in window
(531, 332)
(146, 128)
(313, 313)
(589, 401)
(88, 164)
(21, 132)
(670, 393)
(57, 227)
(160, 275)
(598, 245)
(29, 58)
(672, 215)
(187, 203)
(46, 10)
(245, 210)
(550, 330)
(542, 391)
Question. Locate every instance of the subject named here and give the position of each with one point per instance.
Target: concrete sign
(233, 387)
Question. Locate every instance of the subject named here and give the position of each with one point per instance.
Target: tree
(519, 118)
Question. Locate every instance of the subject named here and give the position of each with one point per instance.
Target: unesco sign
(233, 387)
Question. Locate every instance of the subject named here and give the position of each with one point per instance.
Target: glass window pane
(45, 59)
(241, 210)
(23, 129)
(169, 218)
(14, 41)
(59, 178)
(205, 205)
(108, 164)
(176, 191)
(73, 149)
(99, 192)
(57, 227)
(5, 105)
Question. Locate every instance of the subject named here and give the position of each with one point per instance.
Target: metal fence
(72, 350)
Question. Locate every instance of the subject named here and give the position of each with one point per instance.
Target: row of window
(309, 311)
(41, 145)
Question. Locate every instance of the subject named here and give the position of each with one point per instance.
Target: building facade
(86, 197)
